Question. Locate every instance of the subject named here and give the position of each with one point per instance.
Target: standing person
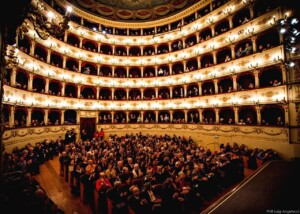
(101, 134)
(102, 184)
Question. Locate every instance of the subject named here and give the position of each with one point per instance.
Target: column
(64, 63)
(184, 66)
(171, 116)
(283, 70)
(112, 94)
(216, 86)
(234, 82)
(230, 22)
(77, 117)
(80, 42)
(30, 81)
(127, 116)
(214, 53)
(79, 66)
(98, 92)
(142, 93)
(127, 93)
(236, 115)
(253, 39)
(46, 116)
(232, 52)
(31, 51)
(186, 115)
(200, 115)
(156, 70)
(127, 71)
(256, 78)
(47, 85)
(62, 117)
(142, 116)
(199, 62)
(156, 116)
(48, 56)
(112, 116)
(78, 90)
(251, 12)
(217, 115)
(286, 114)
(200, 88)
(171, 92)
(98, 69)
(170, 69)
(28, 120)
(12, 117)
(185, 89)
(13, 76)
(156, 93)
(258, 114)
(63, 86)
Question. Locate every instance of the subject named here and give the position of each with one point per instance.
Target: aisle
(58, 190)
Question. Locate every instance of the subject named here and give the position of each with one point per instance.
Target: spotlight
(94, 29)
(295, 32)
(281, 22)
(104, 32)
(282, 30)
(294, 21)
(290, 64)
(294, 49)
(291, 39)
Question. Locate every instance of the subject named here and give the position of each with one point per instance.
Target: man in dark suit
(137, 203)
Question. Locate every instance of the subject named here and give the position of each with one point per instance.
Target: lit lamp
(46, 27)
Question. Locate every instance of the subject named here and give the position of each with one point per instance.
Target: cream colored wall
(22, 136)
(209, 136)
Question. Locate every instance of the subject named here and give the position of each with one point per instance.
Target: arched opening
(72, 64)
(271, 76)
(73, 39)
(88, 92)
(54, 117)
(37, 117)
(209, 116)
(226, 116)
(38, 84)
(178, 117)
(105, 94)
(70, 117)
(120, 94)
(248, 115)
(104, 117)
(120, 117)
(225, 85)
(208, 88)
(70, 90)
(56, 59)
(20, 116)
(272, 115)
(40, 53)
(54, 87)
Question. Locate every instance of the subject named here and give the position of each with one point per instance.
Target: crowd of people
(144, 173)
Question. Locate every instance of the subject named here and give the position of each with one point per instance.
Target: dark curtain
(89, 125)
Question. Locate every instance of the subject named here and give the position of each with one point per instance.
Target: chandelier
(45, 26)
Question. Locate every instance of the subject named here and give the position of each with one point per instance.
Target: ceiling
(133, 10)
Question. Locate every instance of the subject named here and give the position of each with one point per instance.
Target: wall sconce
(213, 76)
(210, 20)
(230, 39)
(249, 31)
(253, 66)
(228, 11)
(211, 47)
(231, 71)
(45, 28)
(256, 102)
(215, 105)
(283, 101)
(277, 59)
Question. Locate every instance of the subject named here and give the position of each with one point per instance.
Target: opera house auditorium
(150, 106)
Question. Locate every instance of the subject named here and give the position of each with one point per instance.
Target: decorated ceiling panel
(133, 9)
